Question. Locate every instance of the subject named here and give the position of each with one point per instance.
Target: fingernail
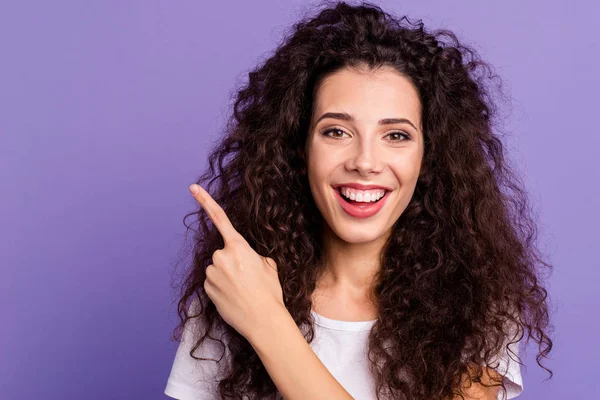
(194, 188)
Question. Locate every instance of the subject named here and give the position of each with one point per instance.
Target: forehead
(368, 94)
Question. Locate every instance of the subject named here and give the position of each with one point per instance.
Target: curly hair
(461, 275)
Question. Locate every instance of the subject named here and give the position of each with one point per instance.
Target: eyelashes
(401, 134)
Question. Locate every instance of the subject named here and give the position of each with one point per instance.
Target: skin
(244, 285)
(365, 152)
(245, 288)
(361, 150)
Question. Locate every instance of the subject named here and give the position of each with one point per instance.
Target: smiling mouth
(366, 203)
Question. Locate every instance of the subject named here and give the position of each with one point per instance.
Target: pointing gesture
(243, 285)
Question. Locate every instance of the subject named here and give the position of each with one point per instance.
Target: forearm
(292, 364)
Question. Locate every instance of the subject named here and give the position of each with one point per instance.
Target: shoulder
(197, 376)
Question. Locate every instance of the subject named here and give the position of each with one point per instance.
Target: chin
(357, 234)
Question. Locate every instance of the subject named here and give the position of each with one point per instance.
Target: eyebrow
(347, 117)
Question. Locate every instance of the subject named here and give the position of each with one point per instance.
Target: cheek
(316, 175)
(319, 164)
(406, 169)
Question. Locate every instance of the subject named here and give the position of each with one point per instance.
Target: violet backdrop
(106, 113)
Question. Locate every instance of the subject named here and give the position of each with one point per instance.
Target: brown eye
(400, 136)
(325, 132)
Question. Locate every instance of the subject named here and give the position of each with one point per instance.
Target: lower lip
(361, 211)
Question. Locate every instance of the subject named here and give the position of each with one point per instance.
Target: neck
(350, 267)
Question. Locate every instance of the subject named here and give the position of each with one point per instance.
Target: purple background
(106, 111)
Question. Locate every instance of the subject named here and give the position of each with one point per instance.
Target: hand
(243, 285)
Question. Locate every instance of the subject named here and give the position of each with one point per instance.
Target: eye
(325, 132)
(399, 135)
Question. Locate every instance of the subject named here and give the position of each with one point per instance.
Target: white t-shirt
(340, 345)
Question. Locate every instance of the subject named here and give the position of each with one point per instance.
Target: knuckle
(217, 255)
(218, 214)
(209, 270)
(214, 217)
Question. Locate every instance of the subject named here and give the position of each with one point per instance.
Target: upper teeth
(362, 195)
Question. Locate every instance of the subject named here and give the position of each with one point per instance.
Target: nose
(364, 158)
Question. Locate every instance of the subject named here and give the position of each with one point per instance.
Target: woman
(363, 164)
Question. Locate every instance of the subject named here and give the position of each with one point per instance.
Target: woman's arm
(290, 361)
(300, 375)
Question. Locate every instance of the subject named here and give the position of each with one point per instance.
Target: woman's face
(363, 145)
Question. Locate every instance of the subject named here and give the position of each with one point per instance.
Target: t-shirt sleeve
(192, 379)
(510, 369)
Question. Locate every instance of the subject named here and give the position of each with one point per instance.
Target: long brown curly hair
(461, 276)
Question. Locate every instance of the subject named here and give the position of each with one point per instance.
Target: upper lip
(360, 186)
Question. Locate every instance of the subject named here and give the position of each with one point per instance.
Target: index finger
(215, 212)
